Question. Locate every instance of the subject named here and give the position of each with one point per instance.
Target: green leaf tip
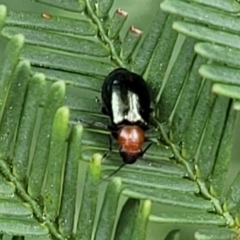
(226, 90)
(63, 111)
(236, 105)
(18, 39)
(95, 166)
(117, 181)
(61, 118)
(59, 84)
(3, 9)
(146, 208)
(57, 90)
(78, 130)
(3, 13)
(97, 158)
(115, 185)
(24, 63)
(39, 76)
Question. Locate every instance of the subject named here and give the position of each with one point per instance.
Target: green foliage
(50, 74)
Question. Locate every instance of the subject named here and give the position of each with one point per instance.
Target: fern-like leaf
(50, 76)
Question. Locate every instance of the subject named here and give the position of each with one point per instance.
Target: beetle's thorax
(131, 138)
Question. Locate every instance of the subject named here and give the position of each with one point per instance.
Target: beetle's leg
(107, 153)
(145, 150)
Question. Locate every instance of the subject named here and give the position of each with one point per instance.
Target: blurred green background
(141, 14)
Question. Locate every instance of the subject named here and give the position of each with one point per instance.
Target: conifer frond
(50, 76)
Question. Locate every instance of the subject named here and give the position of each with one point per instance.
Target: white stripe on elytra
(119, 108)
(133, 113)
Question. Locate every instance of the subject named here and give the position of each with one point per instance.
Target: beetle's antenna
(114, 172)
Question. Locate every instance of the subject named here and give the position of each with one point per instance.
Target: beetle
(126, 100)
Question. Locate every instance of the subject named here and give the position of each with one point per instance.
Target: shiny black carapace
(126, 100)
